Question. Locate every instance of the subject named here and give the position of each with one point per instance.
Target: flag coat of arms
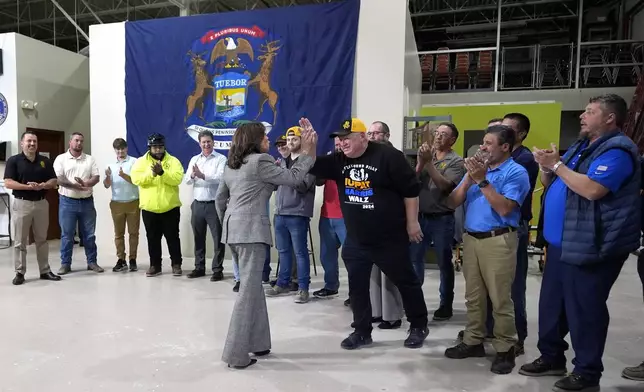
(216, 72)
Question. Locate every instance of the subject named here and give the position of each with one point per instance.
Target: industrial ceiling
(452, 23)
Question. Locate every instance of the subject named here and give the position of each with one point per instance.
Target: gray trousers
(204, 216)
(249, 330)
(386, 301)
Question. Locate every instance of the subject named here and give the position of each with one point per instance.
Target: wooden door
(50, 144)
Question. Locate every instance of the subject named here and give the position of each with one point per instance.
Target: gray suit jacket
(243, 194)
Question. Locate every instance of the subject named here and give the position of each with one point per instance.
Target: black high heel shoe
(238, 367)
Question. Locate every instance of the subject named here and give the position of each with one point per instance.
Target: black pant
(163, 225)
(393, 260)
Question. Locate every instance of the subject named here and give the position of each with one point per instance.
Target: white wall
(8, 88)
(107, 96)
(379, 86)
(413, 77)
(60, 86)
(571, 99)
(9, 129)
(55, 78)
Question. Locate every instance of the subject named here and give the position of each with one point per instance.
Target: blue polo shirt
(610, 169)
(123, 191)
(510, 180)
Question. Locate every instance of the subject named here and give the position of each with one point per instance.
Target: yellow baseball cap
(352, 125)
(294, 131)
(280, 140)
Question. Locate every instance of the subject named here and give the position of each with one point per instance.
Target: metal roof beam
(99, 13)
(69, 18)
(485, 7)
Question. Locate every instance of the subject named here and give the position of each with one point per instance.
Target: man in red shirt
(332, 234)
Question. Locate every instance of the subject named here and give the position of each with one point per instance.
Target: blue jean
(291, 235)
(438, 229)
(518, 286)
(332, 235)
(70, 213)
(267, 266)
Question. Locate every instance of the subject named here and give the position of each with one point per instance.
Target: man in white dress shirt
(204, 172)
(77, 174)
(124, 205)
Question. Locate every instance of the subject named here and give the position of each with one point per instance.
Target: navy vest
(596, 230)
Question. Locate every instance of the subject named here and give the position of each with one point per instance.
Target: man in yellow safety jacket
(158, 175)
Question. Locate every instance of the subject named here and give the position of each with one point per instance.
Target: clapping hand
(476, 169)
(157, 169)
(547, 159)
(80, 182)
(425, 153)
(196, 172)
(35, 186)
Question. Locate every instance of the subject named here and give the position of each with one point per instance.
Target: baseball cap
(294, 131)
(352, 125)
(280, 140)
(156, 139)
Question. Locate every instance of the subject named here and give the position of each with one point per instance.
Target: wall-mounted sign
(4, 109)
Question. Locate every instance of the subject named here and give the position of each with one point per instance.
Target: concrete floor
(125, 332)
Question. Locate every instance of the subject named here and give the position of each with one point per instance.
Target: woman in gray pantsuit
(249, 179)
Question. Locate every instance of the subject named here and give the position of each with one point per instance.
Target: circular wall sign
(4, 109)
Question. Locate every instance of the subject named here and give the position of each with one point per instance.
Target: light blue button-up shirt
(511, 181)
(123, 191)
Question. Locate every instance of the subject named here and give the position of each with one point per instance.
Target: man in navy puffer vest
(591, 224)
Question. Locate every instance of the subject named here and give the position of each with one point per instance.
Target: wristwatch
(484, 183)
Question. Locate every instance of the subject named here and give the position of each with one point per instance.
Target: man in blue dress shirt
(493, 190)
(591, 224)
(124, 205)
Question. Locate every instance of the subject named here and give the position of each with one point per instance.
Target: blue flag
(215, 72)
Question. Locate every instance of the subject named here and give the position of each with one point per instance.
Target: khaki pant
(488, 267)
(123, 213)
(30, 215)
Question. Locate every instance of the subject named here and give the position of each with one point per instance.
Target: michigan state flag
(215, 72)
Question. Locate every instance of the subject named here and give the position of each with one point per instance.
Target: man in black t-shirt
(378, 192)
(30, 175)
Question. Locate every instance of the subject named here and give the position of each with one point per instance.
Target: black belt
(78, 198)
(432, 215)
(28, 199)
(205, 202)
(490, 234)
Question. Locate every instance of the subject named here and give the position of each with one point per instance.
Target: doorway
(50, 144)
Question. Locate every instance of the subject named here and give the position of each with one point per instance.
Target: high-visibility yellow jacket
(157, 194)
